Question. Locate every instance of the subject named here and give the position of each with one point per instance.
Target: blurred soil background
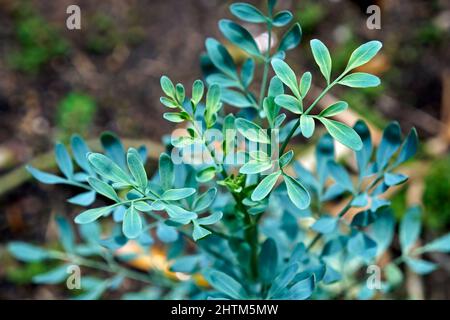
(55, 82)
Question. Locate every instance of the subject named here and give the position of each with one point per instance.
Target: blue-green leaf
(247, 71)
(103, 188)
(307, 125)
(409, 147)
(325, 224)
(63, 160)
(83, 199)
(389, 144)
(340, 175)
(322, 57)
(363, 246)
(303, 289)
(105, 167)
(393, 179)
(410, 227)
(27, 252)
(253, 167)
(282, 18)
(265, 186)
(363, 54)
(205, 200)
(291, 38)
(45, 177)
(166, 233)
(420, 266)
(65, 232)
(132, 223)
(290, 103)
(297, 192)
(199, 232)
(180, 215)
(342, 133)
(165, 171)
(235, 98)
(334, 109)
(167, 86)
(239, 36)
(286, 75)
(441, 244)
(91, 215)
(247, 12)
(360, 80)
(211, 219)
(136, 168)
(114, 148)
(220, 57)
(198, 88)
(54, 276)
(268, 261)
(80, 151)
(282, 280)
(363, 156)
(251, 131)
(177, 194)
(226, 284)
(305, 83)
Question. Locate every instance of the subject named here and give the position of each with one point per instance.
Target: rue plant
(236, 208)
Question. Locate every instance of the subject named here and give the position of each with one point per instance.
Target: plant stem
(313, 104)
(266, 66)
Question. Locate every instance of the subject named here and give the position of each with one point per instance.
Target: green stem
(266, 66)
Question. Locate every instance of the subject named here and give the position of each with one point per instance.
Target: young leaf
(307, 125)
(410, 229)
(305, 83)
(286, 75)
(253, 167)
(239, 36)
(45, 177)
(282, 18)
(282, 280)
(27, 252)
(247, 71)
(63, 160)
(80, 151)
(226, 284)
(409, 147)
(180, 93)
(291, 38)
(290, 103)
(165, 171)
(441, 244)
(91, 215)
(199, 232)
(174, 117)
(166, 233)
(132, 223)
(334, 109)
(363, 54)
(393, 179)
(268, 261)
(342, 133)
(265, 186)
(177, 194)
(136, 168)
(322, 58)
(247, 12)
(286, 158)
(420, 266)
(197, 91)
(205, 200)
(211, 219)
(390, 142)
(220, 57)
(105, 167)
(54, 276)
(303, 289)
(360, 80)
(83, 199)
(167, 86)
(325, 224)
(251, 131)
(297, 192)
